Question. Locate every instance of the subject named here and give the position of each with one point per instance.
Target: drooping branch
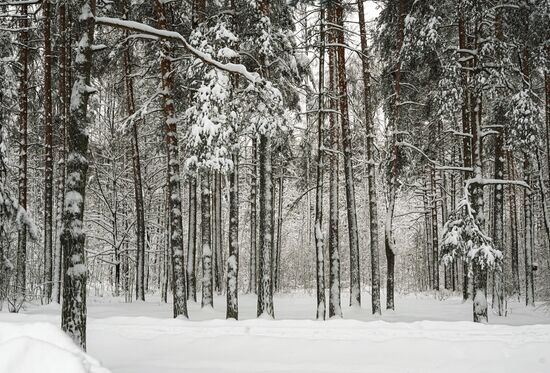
(177, 37)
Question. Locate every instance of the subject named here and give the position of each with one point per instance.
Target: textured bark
(73, 313)
(435, 234)
(48, 154)
(371, 166)
(428, 232)
(206, 241)
(21, 262)
(253, 269)
(392, 182)
(529, 236)
(335, 308)
(278, 231)
(265, 285)
(63, 111)
(218, 232)
(514, 240)
(466, 126)
(265, 265)
(192, 241)
(233, 258)
(136, 168)
(355, 278)
(174, 181)
(498, 217)
(319, 236)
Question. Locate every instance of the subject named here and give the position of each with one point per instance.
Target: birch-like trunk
(319, 236)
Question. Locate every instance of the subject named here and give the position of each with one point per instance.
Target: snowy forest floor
(424, 334)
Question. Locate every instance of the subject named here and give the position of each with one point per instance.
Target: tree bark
(355, 274)
(48, 154)
(233, 258)
(207, 270)
(21, 262)
(73, 313)
(319, 236)
(174, 181)
(253, 270)
(192, 240)
(335, 308)
(371, 166)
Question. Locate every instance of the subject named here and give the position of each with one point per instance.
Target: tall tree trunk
(319, 236)
(371, 166)
(63, 110)
(218, 231)
(136, 168)
(233, 258)
(265, 286)
(265, 267)
(466, 125)
(435, 234)
(335, 308)
(48, 154)
(392, 187)
(174, 181)
(498, 201)
(21, 263)
(192, 240)
(529, 236)
(253, 270)
(514, 240)
(73, 313)
(279, 228)
(207, 270)
(355, 279)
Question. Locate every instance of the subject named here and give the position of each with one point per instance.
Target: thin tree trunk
(466, 125)
(319, 236)
(278, 244)
(514, 240)
(253, 270)
(192, 241)
(529, 236)
(355, 279)
(233, 258)
(435, 234)
(48, 154)
(335, 308)
(63, 110)
(207, 270)
(21, 263)
(371, 166)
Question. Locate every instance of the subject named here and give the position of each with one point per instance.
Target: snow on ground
(141, 337)
(41, 347)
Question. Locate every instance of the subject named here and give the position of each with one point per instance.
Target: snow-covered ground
(424, 334)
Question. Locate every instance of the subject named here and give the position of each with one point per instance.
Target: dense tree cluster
(189, 148)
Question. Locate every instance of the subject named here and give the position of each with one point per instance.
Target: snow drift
(44, 348)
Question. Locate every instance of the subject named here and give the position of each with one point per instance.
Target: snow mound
(43, 348)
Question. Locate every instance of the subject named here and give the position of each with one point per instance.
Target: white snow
(41, 347)
(142, 337)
